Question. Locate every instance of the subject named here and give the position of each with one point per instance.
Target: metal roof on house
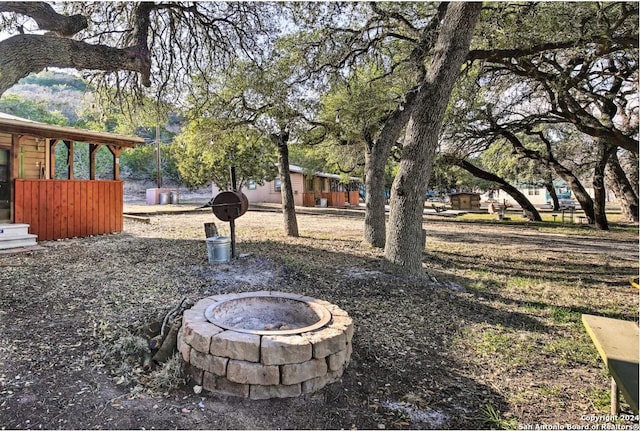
(13, 124)
(300, 170)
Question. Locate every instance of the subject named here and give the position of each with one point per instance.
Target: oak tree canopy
(128, 45)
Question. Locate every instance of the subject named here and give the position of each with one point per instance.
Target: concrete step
(13, 230)
(17, 241)
(16, 235)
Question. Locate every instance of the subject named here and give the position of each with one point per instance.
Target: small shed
(54, 208)
(465, 201)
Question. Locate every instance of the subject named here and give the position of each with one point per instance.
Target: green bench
(617, 343)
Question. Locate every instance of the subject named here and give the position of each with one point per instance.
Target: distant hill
(58, 91)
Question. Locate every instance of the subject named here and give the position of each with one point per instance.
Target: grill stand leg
(232, 228)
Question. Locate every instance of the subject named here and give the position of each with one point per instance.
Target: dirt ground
(490, 337)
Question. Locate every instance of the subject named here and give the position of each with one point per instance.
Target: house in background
(539, 196)
(309, 189)
(34, 202)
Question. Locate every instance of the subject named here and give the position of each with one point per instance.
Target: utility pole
(158, 157)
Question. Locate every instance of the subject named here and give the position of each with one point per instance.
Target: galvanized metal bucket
(163, 198)
(173, 198)
(219, 249)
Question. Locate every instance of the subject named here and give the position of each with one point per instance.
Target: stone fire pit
(263, 345)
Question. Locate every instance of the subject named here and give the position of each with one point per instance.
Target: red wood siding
(334, 199)
(57, 209)
(308, 199)
(354, 198)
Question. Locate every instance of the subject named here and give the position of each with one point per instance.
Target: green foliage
(136, 163)
(238, 118)
(601, 399)
(358, 105)
(354, 112)
(36, 111)
(141, 163)
(309, 157)
(519, 93)
(446, 177)
(57, 91)
(521, 25)
(500, 160)
(328, 157)
(56, 81)
(204, 152)
(496, 420)
(104, 162)
(140, 119)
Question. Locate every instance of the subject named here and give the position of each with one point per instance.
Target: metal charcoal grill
(228, 206)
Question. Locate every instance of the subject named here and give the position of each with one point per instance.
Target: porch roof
(301, 170)
(22, 126)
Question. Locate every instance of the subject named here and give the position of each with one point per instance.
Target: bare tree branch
(48, 51)
(46, 17)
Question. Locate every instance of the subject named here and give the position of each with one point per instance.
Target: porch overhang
(48, 131)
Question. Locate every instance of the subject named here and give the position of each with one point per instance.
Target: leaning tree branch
(26, 53)
(617, 44)
(477, 172)
(566, 106)
(47, 18)
(30, 53)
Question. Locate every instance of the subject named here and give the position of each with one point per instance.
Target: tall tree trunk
(618, 182)
(376, 156)
(286, 190)
(604, 151)
(378, 150)
(633, 173)
(516, 194)
(405, 242)
(374, 199)
(551, 189)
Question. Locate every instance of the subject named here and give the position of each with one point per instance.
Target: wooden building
(309, 189)
(55, 208)
(322, 185)
(465, 201)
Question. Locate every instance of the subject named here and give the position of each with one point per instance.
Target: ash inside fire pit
(268, 315)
